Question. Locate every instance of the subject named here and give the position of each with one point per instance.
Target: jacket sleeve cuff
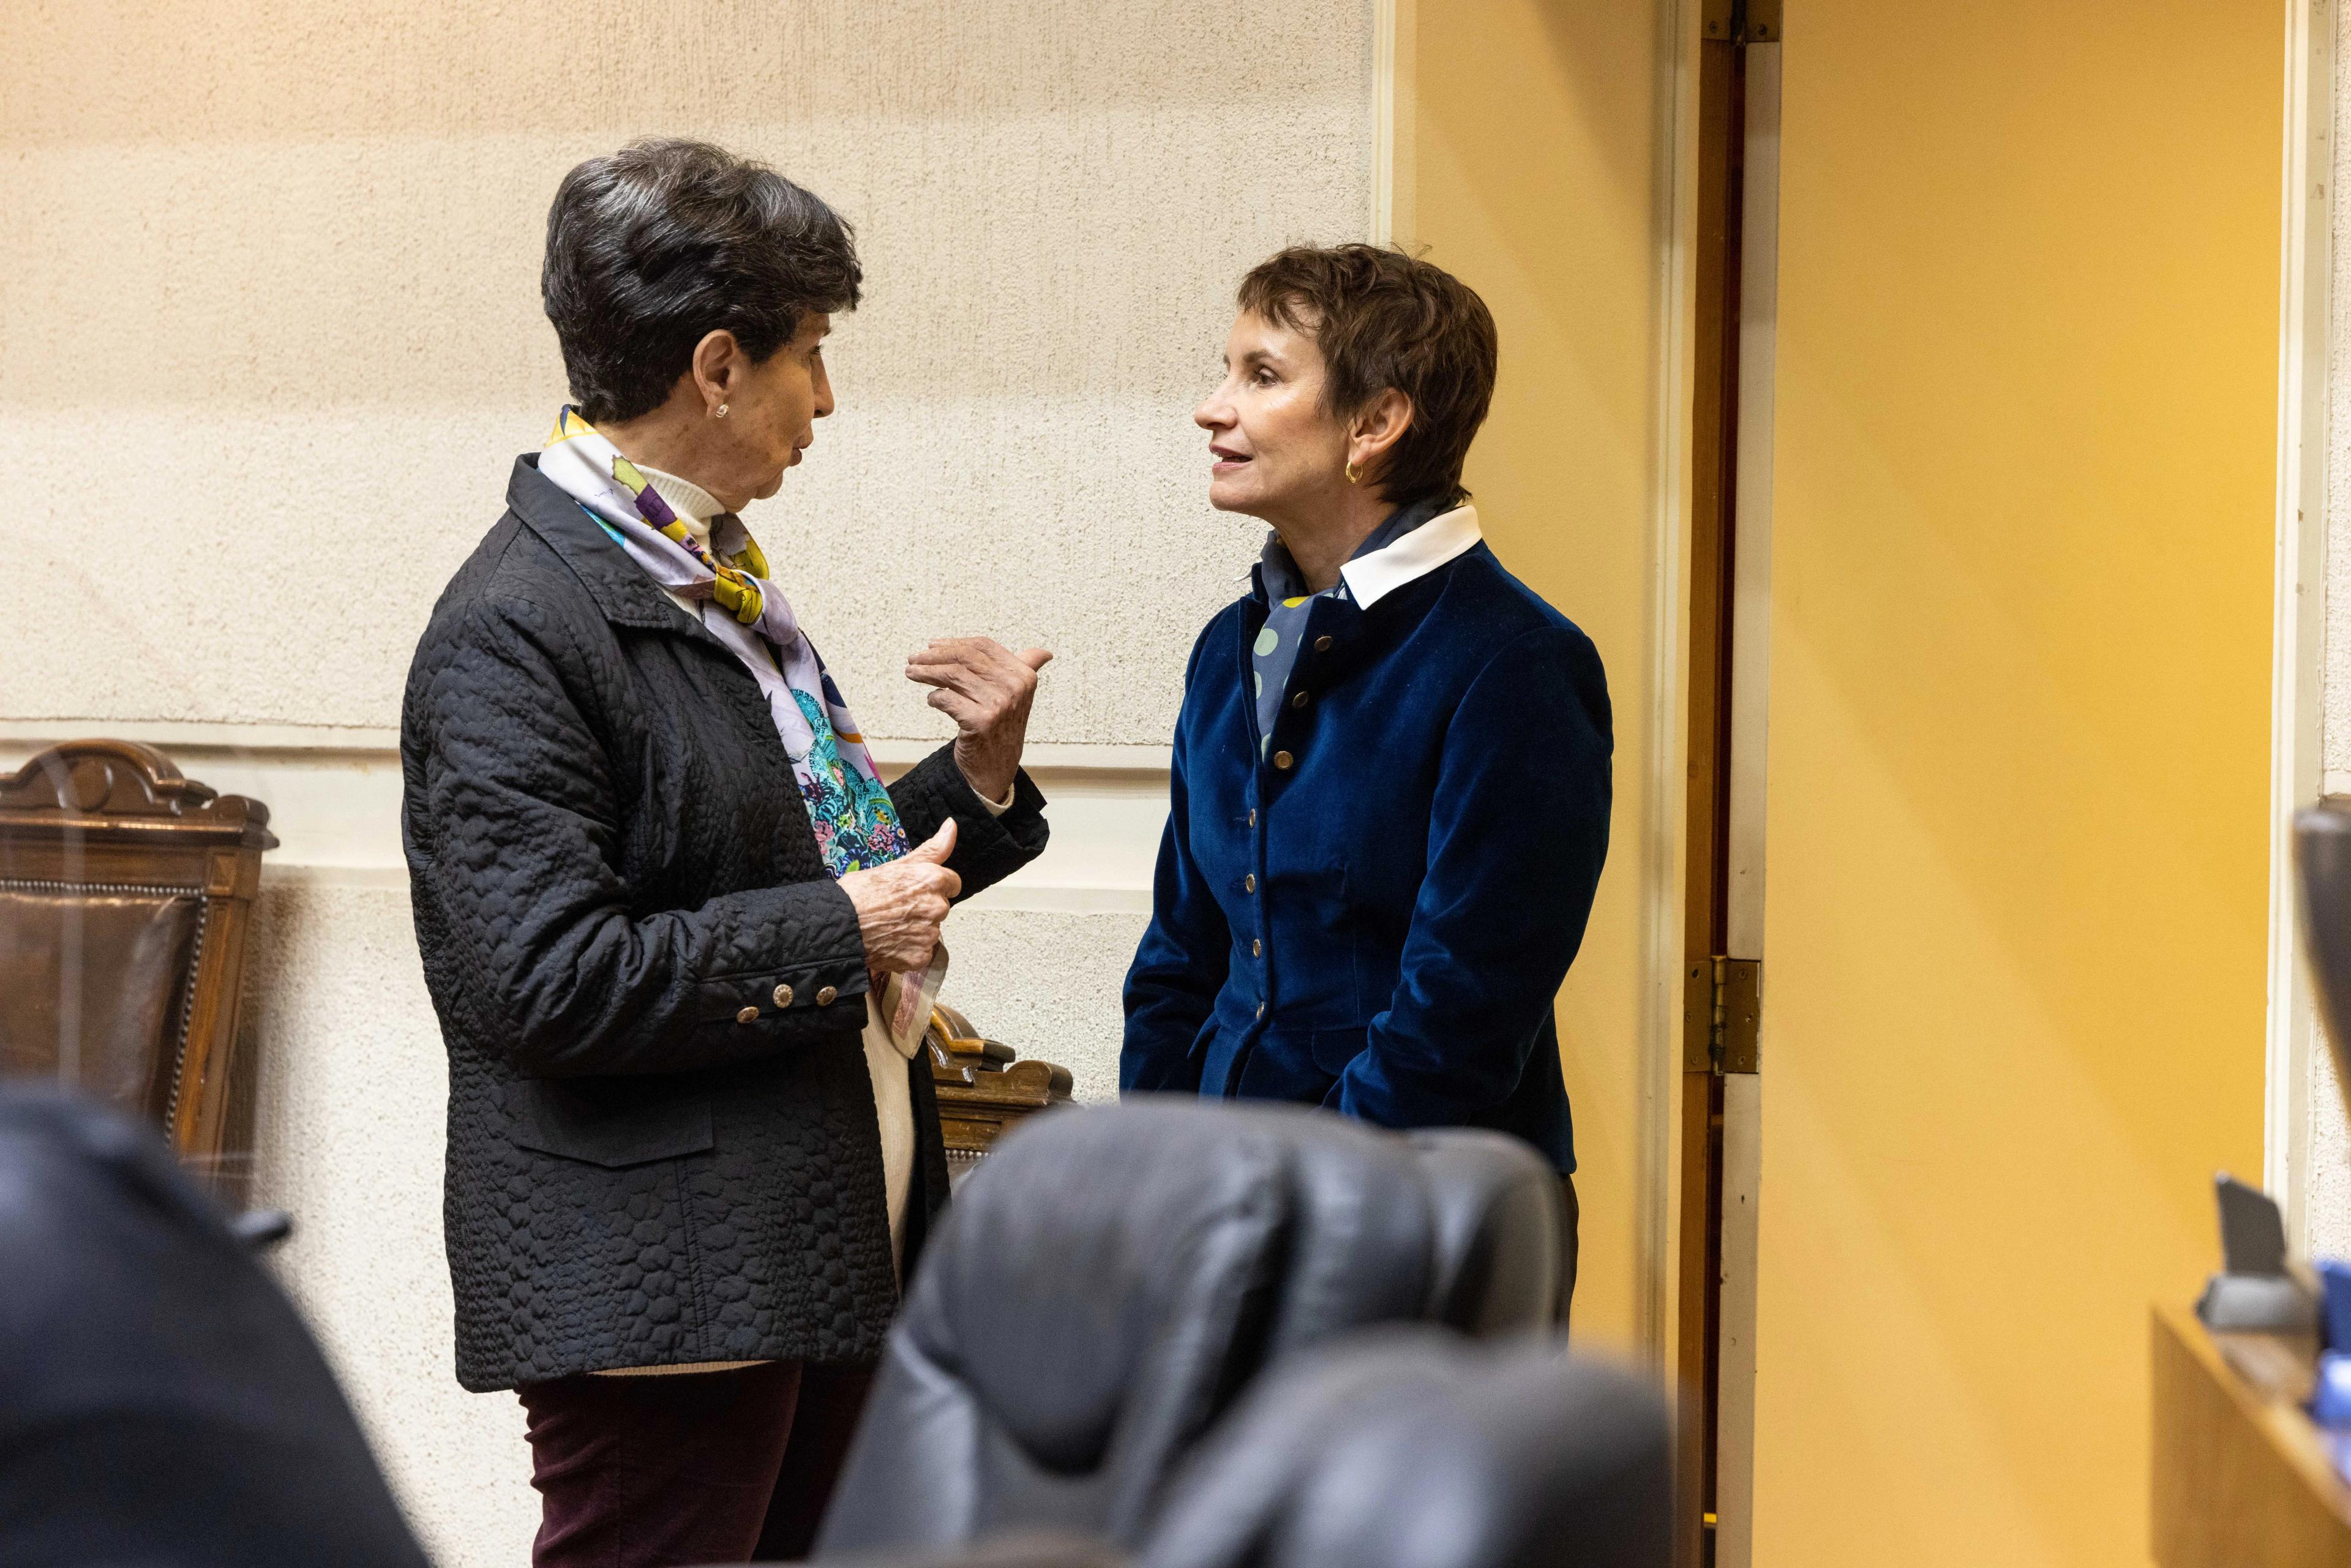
(810, 964)
(997, 808)
(988, 848)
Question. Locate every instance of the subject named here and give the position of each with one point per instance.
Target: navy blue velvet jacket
(1380, 927)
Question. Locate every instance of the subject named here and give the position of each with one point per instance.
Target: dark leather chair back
(1401, 1447)
(1109, 1278)
(2323, 864)
(125, 892)
(1491, 1196)
(160, 1401)
(1415, 1449)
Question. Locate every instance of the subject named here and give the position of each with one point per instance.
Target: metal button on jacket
(783, 995)
(747, 1015)
(1298, 700)
(1256, 947)
(1321, 645)
(1248, 883)
(1282, 760)
(824, 999)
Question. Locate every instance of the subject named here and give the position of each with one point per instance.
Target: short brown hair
(1384, 319)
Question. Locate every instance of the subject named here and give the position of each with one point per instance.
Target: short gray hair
(651, 248)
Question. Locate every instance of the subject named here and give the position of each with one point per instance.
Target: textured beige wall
(271, 291)
(269, 341)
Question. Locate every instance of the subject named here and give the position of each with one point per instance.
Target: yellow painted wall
(1536, 157)
(2013, 989)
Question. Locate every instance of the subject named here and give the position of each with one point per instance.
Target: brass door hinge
(1741, 21)
(1722, 1015)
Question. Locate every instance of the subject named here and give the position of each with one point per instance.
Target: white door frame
(2297, 650)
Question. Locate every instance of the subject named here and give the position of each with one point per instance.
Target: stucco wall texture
(270, 339)
(273, 315)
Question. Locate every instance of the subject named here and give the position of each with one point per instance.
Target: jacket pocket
(612, 1122)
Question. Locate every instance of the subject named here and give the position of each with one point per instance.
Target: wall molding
(890, 751)
(1395, 122)
(333, 793)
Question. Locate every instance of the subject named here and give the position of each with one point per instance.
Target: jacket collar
(618, 585)
(1413, 542)
(1371, 577)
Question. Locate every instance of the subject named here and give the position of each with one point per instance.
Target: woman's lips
(1225, 462)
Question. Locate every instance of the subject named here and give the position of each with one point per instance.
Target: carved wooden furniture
(126, 892)
(983, 1087)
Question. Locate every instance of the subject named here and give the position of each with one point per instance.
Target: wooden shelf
(2241, 1478)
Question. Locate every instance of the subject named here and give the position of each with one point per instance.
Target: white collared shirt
(1372, 578)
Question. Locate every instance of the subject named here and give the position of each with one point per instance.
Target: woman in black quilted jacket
(657, 877)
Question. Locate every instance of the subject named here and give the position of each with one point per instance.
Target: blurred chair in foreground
(1108, 1279)
(1404, 1447)
(1415, 1449)
(125, 894)
(160, 1404)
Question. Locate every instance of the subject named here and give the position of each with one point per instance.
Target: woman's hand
(900, 905)
(985, 688)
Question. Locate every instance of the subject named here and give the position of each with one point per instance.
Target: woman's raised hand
(985, 688)
(900, 904)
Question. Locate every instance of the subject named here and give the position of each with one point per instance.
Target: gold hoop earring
(1353, 477)
(718, 413)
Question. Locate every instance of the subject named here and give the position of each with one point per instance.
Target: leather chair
(1404, 1447)
(125, 894)
(1415, 1449)
(1109, 1278)
(160, 1403)
(2323, 864)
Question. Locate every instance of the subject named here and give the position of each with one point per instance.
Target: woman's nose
(1213, 414)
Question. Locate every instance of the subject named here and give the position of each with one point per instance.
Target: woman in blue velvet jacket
(1390, 798)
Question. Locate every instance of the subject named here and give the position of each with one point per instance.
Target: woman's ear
(718, 369)
(1378, 425)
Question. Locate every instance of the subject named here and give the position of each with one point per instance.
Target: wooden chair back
(126, 894)
(984, 1088)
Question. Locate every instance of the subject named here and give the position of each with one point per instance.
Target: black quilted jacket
(661, 1137)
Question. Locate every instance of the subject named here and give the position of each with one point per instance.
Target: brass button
(1260, 1009)
(825, 997)
(1321, 645)
(747, 1015)
(1253, 816)
(1282, 760)
(1248, 883)
(1256, 947)
(783, 995)
(1298, 701)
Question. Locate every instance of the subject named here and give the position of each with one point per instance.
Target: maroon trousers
(693, 1467)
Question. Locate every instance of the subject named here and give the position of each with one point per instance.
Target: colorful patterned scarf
(856, 825)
